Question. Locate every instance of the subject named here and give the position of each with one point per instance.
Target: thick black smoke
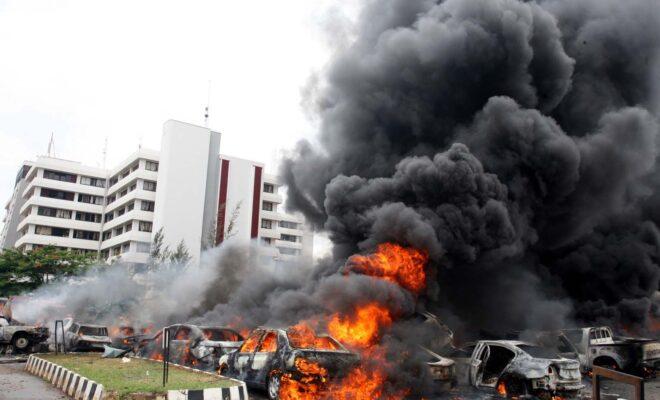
(515, 141)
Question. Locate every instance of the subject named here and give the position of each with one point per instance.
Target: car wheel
(274, 381)
(21, 342)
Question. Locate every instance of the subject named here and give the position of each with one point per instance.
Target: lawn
(134, 376)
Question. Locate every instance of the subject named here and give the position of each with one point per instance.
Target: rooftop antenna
(51, 146)
(105, 151)
(206, 110)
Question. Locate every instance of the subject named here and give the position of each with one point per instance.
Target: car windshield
(303, 337)
(93, 331)
(539, 352)
(221, 335)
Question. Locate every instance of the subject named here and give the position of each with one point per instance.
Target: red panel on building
(222, 203)
(256, 202)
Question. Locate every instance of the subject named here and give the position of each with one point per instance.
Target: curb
(74, 385)
(238, 392)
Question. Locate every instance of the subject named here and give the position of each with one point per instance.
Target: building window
(289, 238)
(126, 247)
(113, 181)
(111, 199)
(267, 205)
(51, 231)
(151, 166)
(120, 212)
(86, 235)
(88, 217)
(145, 226)
(116, 250)
(149, 185)
(128, 227)
(109, 216)
(266, 241)
(132, 187)
(60, 176)
(105, 254)
(107, 235)
(147, 205)
(288, 225)
(266, 224)
(54, 212)
(57, 194)
(88, 198)
(269, 188)
(130, 206)
(98, 182)
(143, 247)
(287, 251)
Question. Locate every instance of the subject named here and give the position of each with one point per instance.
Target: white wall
(181, 186)
(240, 189)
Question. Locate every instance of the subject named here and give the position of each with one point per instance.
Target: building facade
(249, 205)
(188, 190)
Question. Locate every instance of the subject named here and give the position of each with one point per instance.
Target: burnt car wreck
(191, 345)
(515, 368)
(270, 358)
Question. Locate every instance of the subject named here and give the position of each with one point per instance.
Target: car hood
(99, 339)
(221, 344)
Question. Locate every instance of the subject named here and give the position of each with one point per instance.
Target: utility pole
(105, 151)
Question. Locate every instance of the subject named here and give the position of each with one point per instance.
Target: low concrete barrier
(74, 385)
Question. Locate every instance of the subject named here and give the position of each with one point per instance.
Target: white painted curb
(74, 385)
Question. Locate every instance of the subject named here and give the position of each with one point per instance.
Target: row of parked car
(542, 364)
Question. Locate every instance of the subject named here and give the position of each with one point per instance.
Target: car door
(180, 345)
(477, 362)
(71, 337)
(243, 358)
(263, 357)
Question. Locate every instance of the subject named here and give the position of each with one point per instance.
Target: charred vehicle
(191, 345)
(268, 357)
(125, 337)
(441, 369)
(598, 346)
(515, 368)
(86, 337)
(21, 337)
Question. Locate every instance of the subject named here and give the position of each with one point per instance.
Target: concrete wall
(181, 195)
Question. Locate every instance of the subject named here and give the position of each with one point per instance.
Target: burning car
(86, 337)
(125, 337)
(515, 368)
(271, 357)
(21, 337)
(191, 345)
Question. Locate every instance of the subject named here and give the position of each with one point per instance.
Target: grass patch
(134, 376)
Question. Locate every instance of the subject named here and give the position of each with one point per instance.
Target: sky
(90, 70)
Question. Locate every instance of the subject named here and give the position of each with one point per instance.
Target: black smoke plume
(515, 141)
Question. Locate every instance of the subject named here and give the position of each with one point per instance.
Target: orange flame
(361, 329)
(501, 388)
(302, 336)
(394, 263)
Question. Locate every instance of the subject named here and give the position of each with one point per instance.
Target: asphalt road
(16, 384)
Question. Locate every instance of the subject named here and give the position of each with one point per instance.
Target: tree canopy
(25, 271)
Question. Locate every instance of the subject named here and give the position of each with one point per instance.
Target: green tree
(24, 271)
(181, 255)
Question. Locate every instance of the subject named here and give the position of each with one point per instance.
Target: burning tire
(274, 381)
(21, 342)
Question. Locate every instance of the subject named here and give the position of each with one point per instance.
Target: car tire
(20, 342)
(273, 386)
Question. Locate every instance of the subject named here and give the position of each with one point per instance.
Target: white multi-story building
(248, 204)
(196, 196)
